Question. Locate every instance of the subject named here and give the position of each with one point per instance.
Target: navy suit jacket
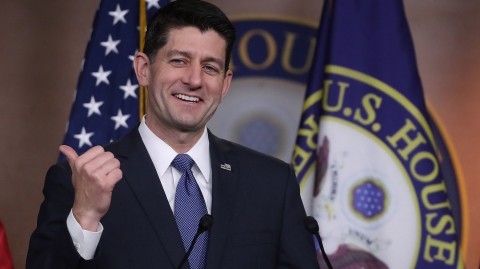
(257, 210)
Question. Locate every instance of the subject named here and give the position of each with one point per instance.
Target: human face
(186, 81)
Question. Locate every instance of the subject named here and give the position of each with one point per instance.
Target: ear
(226, 82)
(141, 64)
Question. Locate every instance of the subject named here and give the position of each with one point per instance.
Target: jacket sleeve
(297, 249)
(51, 245)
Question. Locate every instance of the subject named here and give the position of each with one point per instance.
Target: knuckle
(98, 149)
(119, 173)
(88, 167)
(108, 155)
(115, 175)
(96, 177)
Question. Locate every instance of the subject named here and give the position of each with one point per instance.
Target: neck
(180, 141)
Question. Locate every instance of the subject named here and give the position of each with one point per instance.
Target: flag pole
(143, 29)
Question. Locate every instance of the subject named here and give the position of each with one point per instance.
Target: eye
(177, 62)
(209, 69)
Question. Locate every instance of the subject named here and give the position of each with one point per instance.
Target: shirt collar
(162, 154)
(200, 153)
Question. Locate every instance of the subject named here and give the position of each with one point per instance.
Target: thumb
(70, 153)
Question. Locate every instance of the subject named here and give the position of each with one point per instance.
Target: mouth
(187, 98)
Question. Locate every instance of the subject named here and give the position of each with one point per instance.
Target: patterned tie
(189, 209)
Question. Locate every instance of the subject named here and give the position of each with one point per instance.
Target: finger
(69, 153)
(107, 176)
(105, 163)
(114, 176)
(96, 164)
(89, 155)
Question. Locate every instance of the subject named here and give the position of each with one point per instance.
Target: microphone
(204, 224)
(312, 226)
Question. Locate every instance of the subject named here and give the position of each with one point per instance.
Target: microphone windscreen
(205, 222)
(311, 224)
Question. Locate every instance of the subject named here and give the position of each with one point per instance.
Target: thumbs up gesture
(94, 175)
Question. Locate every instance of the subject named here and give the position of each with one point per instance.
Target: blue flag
(107, 100)
(365, 155)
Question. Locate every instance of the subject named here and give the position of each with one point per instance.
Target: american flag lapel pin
(226, 166)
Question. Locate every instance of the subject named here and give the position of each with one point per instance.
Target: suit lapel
(223, 198)
(140, 174)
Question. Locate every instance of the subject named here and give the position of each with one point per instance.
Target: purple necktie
(189, 209)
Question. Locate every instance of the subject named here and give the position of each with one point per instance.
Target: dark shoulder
(125, 145)
(235, 151)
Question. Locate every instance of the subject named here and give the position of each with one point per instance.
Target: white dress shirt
(162, 155)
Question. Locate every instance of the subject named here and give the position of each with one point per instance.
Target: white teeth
(187, 98)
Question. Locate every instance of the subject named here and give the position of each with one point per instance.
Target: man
(127, 205)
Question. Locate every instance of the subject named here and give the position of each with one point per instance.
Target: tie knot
(183, 162)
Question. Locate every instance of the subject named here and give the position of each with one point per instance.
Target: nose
(193, 77)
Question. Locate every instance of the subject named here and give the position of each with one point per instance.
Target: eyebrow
(187, 54)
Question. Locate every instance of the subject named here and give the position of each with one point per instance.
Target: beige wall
(43, 42)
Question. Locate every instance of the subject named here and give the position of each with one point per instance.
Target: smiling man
(138, 202)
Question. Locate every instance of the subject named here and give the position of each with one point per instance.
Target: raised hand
(94, 175)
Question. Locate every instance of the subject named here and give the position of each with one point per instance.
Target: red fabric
(5, 257)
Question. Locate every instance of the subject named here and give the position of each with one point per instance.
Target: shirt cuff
(85, 242)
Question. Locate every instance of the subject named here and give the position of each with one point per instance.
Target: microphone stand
(204, 224)
(312, 226)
